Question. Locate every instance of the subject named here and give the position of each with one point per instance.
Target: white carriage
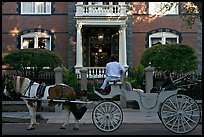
(179, 113)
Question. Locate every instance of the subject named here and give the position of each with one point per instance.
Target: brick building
(85, 34)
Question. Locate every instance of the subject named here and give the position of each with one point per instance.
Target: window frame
(163, 36)
(47, 12)
(36, 36)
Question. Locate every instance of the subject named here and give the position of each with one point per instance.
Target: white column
(122, 46)
(79, 48)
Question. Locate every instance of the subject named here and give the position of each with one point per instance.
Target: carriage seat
(129, 87)
(115, 82)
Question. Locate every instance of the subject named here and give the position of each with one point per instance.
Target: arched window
(36, 40)
(163, 36)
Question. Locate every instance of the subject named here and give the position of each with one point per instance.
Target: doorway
(98, 45)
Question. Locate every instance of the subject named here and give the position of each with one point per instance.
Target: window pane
(171, 40)
(27, 7)
(28, 43)
(44, 43)
(41, 7)
(156, 41)
(48, 7)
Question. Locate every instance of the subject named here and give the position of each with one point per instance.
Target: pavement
(129, 116)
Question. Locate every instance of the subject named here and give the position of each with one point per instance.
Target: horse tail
(78, 112)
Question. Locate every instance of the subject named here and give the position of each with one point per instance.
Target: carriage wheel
(107, 116)
(180, 113)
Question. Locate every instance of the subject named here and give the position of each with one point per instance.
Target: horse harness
(28, 88)
(41, 90)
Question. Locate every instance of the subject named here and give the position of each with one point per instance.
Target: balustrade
(100, 10)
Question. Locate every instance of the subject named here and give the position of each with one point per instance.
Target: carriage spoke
(191, 119)
(185, 113)
(172, 105)
(168, 106)
(183, 123)
(109, 117)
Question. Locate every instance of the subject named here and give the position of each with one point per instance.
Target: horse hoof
(30, 128)
(75, 128)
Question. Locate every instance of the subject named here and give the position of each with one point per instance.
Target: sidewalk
(129, 116)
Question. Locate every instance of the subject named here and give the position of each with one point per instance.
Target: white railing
(100, 10)
(94, 72)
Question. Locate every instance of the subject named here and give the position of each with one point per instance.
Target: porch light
(100, 50)
(100, 36)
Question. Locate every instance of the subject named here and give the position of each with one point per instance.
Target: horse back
(61, 92)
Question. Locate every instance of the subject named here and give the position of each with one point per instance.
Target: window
(35, 7)
(163, 38)
(36, 40)
(162, 8)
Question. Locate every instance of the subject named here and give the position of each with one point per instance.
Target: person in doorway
(113, 72)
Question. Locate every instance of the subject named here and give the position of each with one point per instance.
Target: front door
(98, 45)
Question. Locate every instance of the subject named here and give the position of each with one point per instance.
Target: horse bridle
(9, 86)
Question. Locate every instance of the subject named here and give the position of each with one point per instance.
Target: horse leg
(76, 124)
(67, 119)
(32, 111)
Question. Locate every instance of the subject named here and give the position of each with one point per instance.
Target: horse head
(9, 86)
(15, 86)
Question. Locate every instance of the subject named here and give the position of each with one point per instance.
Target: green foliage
(190, 11)
(70, 78)
(35, 58)
(137, 77)
(171, 57)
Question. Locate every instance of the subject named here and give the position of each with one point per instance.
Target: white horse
(27, 88)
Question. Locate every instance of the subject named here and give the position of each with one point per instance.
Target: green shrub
(35, 58)
(70, 78)
(171, 57)
(137, 77)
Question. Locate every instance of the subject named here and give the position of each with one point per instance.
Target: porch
(94, 73)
